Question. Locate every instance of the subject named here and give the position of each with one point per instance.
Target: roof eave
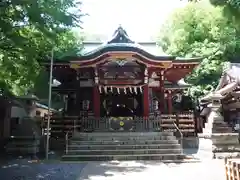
(196, 60)
(124, 48)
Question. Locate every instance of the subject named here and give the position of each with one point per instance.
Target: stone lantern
(215, 109)
(216, 100)
(30, 101)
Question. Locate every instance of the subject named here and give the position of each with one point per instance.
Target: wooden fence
(166, 122)
(232, 169)
(185, 122)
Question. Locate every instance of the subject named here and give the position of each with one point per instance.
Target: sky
(140, 18)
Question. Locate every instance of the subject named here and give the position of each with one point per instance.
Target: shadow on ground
(32, 170)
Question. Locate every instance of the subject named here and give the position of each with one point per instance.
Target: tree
(28, 31)
(70, 44)
(199, 29)
(231, 9)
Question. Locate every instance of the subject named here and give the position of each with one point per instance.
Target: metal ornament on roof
(121, 62)
(120, 36)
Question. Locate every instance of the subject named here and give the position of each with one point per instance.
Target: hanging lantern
(146, 72)
(135, 90)
(100, 89)
(130, 89)
(155, 104)
(178, 97)
(96, 80)
(105, 89)
(85, 104)
(145, 80)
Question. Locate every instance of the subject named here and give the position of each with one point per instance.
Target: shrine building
(120, 78)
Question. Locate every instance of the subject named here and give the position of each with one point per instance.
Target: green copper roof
(122, 43)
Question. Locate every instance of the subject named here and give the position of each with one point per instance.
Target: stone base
(204, 148)
(219, 145)
(222, 155)
(190, 142)
(227, 138)
(225, 142)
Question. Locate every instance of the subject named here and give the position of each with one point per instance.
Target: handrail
(181, 134)
(66, 141)
(74, 125)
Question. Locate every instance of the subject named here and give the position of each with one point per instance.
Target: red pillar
(161, 84)
(96, 101)
(145, 101)
(169, 102)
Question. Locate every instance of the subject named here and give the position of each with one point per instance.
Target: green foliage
(28, 31)
(200, 30)
(231, 9)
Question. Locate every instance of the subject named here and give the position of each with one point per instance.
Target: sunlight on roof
(141, 19)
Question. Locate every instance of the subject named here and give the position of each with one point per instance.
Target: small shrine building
(121, 73)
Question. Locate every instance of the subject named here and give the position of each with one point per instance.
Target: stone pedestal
(217, 137)
(225, 144)
(204, 148)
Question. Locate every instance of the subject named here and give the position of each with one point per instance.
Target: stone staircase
(103, 146)
(25, 138)
(22, 145)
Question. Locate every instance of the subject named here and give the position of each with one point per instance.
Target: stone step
(124, 151)
(140, 138)
(102, 146)
(129, 142)
(221, 126)
(220, 123)
(221, 130)
(19, 145)
(124, 146)
(165, 157)
(122, 134)
(32, 149)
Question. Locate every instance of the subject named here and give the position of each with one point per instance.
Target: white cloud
(141, 18)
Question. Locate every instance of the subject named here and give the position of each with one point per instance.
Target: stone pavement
(114, 170)
(208, 170)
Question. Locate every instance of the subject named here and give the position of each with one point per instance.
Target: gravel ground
(114, 170)
(27, 170)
